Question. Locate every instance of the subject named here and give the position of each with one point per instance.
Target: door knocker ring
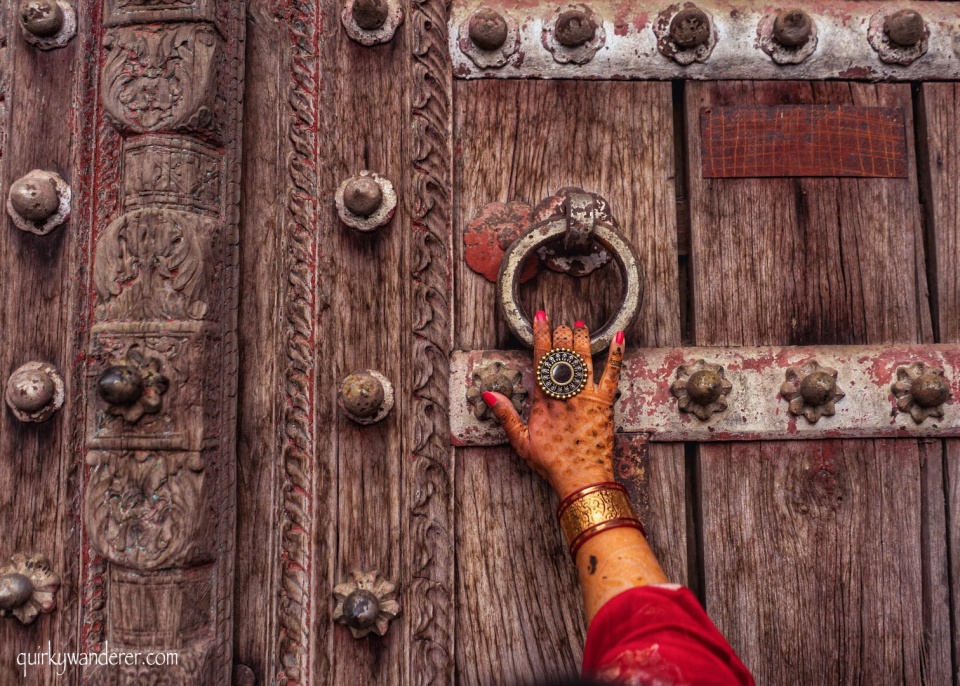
(539, 235)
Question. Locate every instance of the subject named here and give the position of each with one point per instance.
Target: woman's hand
(567, 442)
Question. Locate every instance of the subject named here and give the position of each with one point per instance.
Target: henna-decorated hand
(567, 442)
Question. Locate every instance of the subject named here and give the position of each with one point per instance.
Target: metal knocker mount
(579, 227)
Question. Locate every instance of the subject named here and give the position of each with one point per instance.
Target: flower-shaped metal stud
(367, 603)
(28, 587)
(489, 38)
(573, 34)
(366, 201)
(921, 391)
(811, 391)
(499, 378)
(701, 389)
(133, 386)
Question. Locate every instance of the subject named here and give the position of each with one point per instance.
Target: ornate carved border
(298, 445)
(158, 194)
(430, 594)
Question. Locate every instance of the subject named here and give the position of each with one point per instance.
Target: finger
(563, 337)
(581, 344)
(541, 337)
(611, 375)
(510, 420)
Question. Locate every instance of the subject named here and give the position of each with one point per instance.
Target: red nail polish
(578, 325)
(490, 399)
(619, 338)
(541, 316)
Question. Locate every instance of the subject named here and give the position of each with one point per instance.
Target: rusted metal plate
(632, 40)
(760, 391)
(803, 140)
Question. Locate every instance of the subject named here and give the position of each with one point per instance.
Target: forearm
(614, 561)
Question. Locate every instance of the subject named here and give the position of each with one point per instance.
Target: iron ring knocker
(539, 235)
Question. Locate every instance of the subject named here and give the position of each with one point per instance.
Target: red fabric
(659, 636)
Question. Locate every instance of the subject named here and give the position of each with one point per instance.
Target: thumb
(510, 420)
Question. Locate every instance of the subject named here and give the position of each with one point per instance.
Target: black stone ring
(562, 373)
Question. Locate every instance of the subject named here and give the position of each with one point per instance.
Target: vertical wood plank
(524, 141)
(38, 473)
(261, 347)
(366, 325)
(940, 176)
(798, 261)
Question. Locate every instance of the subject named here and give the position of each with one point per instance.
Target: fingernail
(490, 399)
(578, 325)
(619, 338)
(541, 316)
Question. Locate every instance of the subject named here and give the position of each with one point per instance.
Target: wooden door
(822, 561)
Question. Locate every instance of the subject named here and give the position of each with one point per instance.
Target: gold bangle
(595, 509)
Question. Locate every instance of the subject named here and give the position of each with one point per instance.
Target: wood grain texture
(367, 326)
(940, 176)
(804, 140)
(261, 348)
(815, 261)
(39, 471)
(524, 141)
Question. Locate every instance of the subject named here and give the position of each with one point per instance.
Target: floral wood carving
(142, 508)
(161, 77)
(150, 265)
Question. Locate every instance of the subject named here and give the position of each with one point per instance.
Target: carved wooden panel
(158, 500)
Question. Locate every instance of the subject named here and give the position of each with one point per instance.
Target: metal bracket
(742, 39)
(766, 393)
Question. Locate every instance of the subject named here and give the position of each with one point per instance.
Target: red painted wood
(803, 140)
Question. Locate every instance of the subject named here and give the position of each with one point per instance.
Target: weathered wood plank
(524, 141)
(261, 327)
(798, 261)
(940, 176)
(366, 330)
(39, 473)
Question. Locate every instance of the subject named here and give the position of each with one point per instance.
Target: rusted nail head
(362, 195)
(792, 27)
(904, 27)
(15, 590)
(42, 18)
(370, 15)
(574, 28)
(488, 29)
(120, 385)
(704, 387)
(690, 27)
(930, 390)
(817, 388)
(34, 197)
(362, 394)
(360, 609)
(32, 390)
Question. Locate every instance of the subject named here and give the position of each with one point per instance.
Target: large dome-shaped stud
(365, 396)
(47, 24)
(38, 202)
(35, 392)
(366, 201)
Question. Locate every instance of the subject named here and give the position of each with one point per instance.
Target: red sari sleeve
(659, 635)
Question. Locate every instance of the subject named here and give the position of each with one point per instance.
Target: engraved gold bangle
(595, 509)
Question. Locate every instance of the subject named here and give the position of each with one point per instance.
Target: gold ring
(562, 373)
